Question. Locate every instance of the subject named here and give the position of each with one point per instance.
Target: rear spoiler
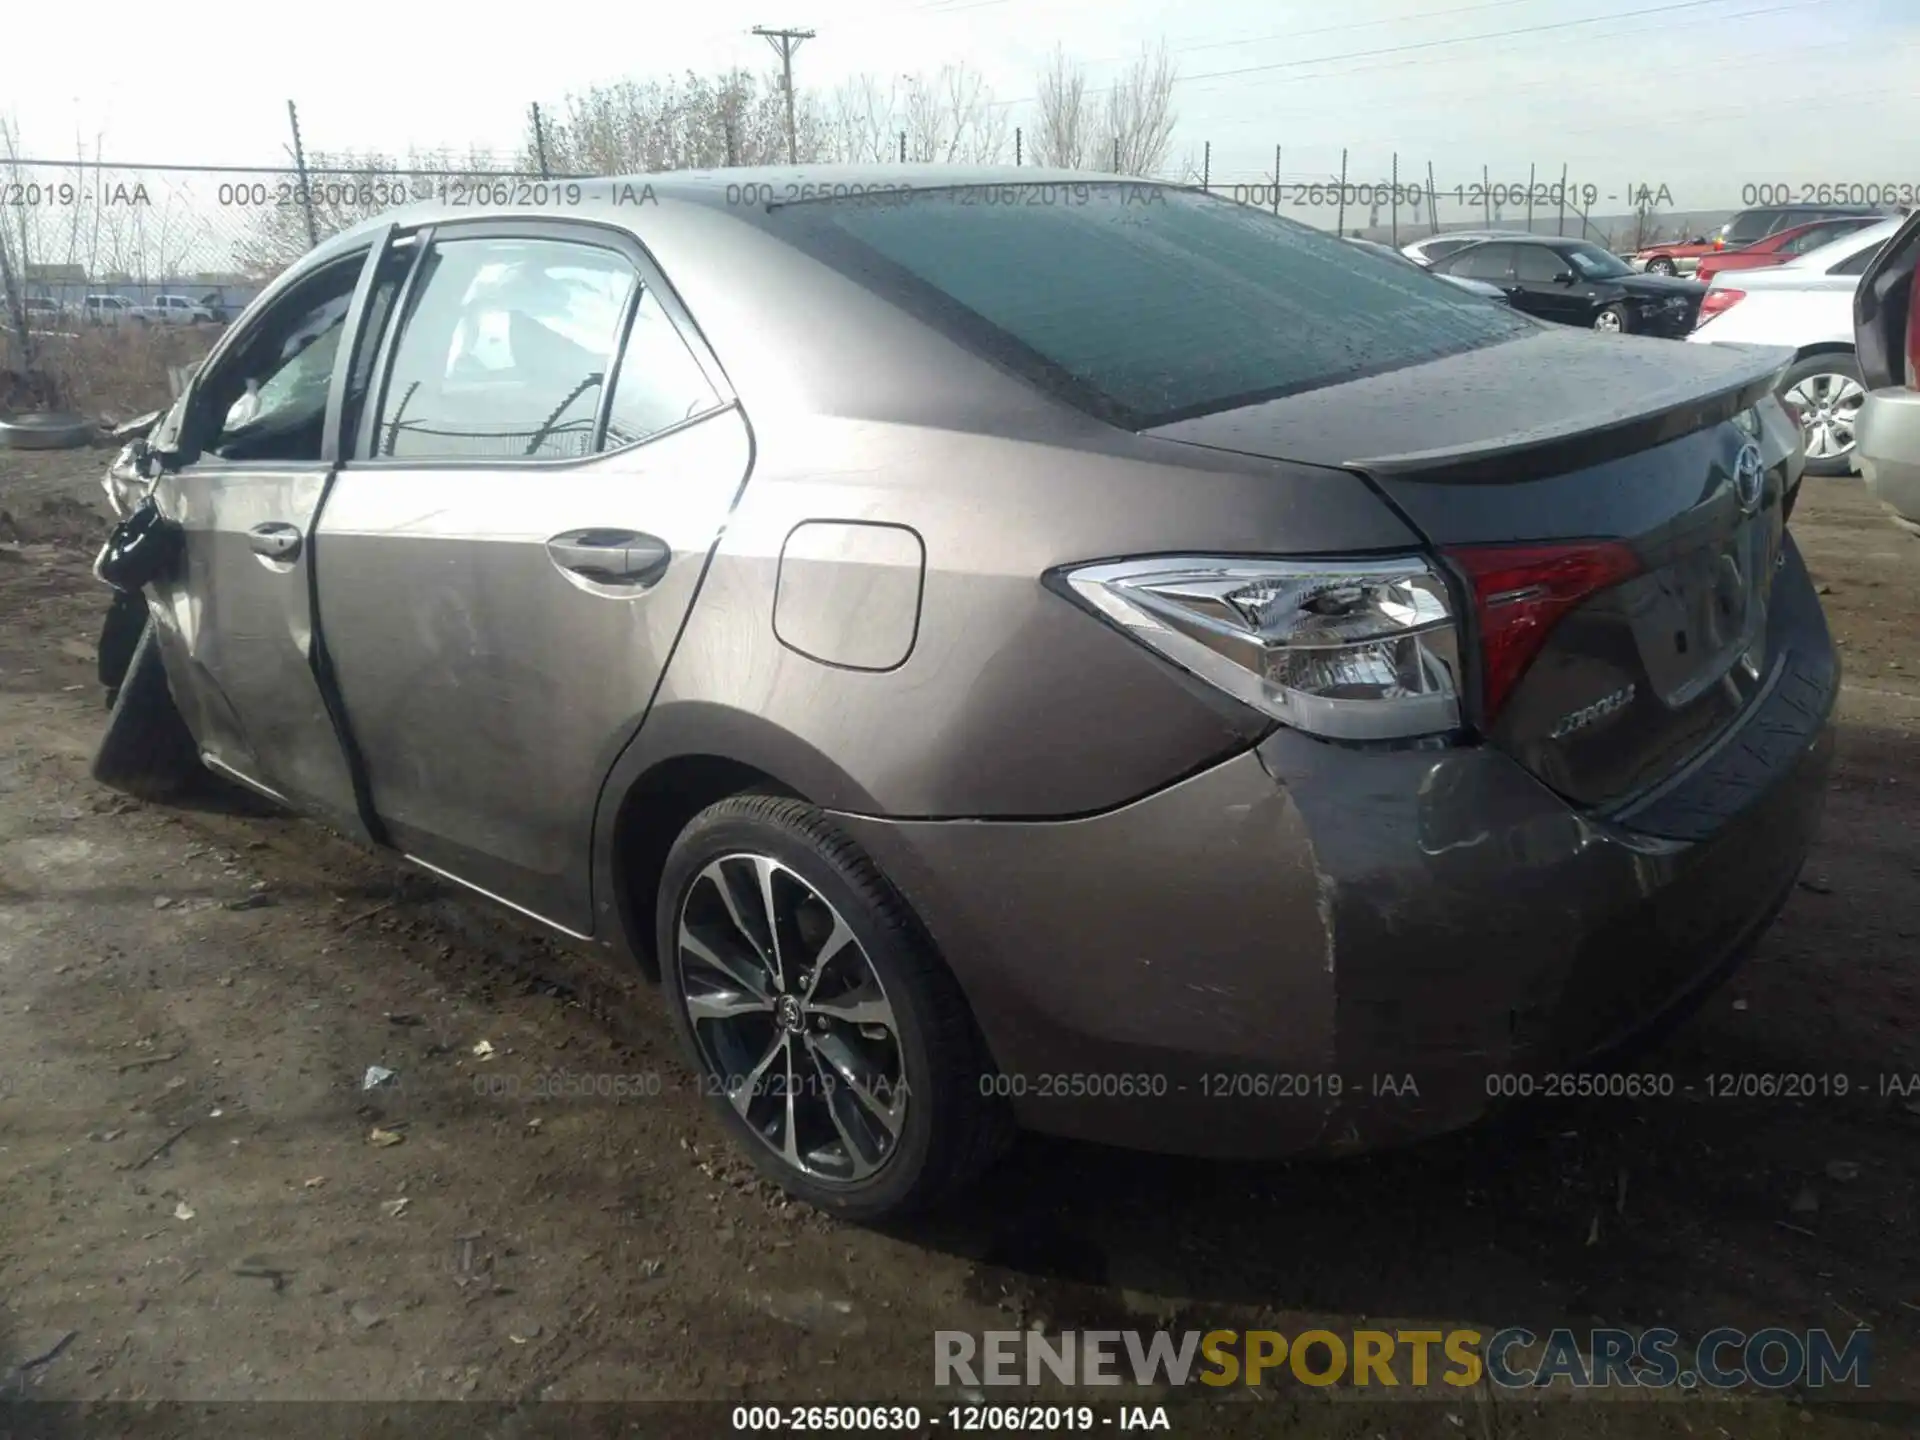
(1589, 439)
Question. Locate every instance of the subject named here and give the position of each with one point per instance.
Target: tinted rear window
(1145, 304)
(1749, 226)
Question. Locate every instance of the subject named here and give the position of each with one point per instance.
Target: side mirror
(1565, 277)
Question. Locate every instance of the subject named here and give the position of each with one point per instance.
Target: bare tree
(952, 118)
(1137, 120)
(860, 121)
(1064, 133)
(697, 122)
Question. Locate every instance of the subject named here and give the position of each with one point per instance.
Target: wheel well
(1825, 347)
(652, 815)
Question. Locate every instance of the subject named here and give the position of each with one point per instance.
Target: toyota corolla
(1008, 649)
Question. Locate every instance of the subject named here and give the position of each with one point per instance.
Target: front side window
(268, 398)
(504, 352)
(1596, 264)
(1536, 264)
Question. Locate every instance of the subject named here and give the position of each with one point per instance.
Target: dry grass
(104, 373)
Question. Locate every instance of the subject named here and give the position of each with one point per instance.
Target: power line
(1421, 45)
(784, 43)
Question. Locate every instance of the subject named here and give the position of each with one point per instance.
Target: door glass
(505, 352)
(659, 384)
(1536, 264)
(268, 399)
(1484, 262)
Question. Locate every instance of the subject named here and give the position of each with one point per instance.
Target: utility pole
(785, 42)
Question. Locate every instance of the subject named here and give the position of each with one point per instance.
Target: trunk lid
(1656, 475)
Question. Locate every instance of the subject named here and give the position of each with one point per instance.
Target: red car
(1743, 230)
(1781, 246)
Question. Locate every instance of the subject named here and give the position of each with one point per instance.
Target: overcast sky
(1703, 95)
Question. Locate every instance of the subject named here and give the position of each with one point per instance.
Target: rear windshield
(1749, 226)
(1145, 304)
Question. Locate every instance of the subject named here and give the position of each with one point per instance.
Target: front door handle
(612, 557)
(275, 540)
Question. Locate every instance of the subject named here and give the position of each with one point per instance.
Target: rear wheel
(1612, 320)
(1662, 265)
(1824, 393)
(827, 1035)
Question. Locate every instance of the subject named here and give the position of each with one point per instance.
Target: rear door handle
(275, 540)
(612, 557)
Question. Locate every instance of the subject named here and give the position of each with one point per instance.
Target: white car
(1438, 247)
(1805, 305)
(109, 310)
(175, 310)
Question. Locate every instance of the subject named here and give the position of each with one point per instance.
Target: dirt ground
(198, 1207)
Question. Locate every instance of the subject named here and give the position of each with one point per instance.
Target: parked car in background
(175, 310)
(786, 661)
(1886, 323)
(1472, 287)
(110, 310)
(1435, 247)
(43, 313)
(216, 308)
(1576, 282)
(1806, 306)
(1781, 246)
(1741, 229)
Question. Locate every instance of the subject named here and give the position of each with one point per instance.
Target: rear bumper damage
(1314, 947)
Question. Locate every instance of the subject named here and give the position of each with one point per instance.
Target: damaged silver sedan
(1126, 664)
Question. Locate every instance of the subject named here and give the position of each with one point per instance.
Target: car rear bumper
(1887, 444)
(1314, 947)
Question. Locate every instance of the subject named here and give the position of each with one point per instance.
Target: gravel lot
(199, 1203)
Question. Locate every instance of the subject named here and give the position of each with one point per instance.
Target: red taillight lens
(1717, 302)
(1521, 592)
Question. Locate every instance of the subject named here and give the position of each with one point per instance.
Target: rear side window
(1484, 262)
(505, 351)
(1856, 264)
(1440, 249)
(1144, 304)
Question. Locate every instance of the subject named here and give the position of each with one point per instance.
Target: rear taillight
(1349, 650)
(1717, 302)
(1521, 592)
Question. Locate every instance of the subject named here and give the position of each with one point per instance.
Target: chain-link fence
(115, 274)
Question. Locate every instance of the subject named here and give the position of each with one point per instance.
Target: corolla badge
(1749, 478)
(1592, 714)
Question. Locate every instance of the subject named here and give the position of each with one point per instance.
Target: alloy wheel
(1663, 266)
(790, 1018)
(1827, 406)
(1607, 321)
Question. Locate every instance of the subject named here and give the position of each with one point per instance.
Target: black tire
(952, 1131)
(1662, 265)
(1831, 363)
(1621, 318)
(147, 750)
